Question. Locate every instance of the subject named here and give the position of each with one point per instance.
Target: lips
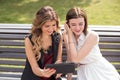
(50, 32)
(77, 31)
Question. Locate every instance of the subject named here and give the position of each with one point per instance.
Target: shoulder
(28, 39)
(28, 36)
(93, 36)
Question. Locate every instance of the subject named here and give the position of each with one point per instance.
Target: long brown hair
(42, 15)
(77, 12)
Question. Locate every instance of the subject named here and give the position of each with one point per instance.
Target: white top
(93, 55)
(96, 66)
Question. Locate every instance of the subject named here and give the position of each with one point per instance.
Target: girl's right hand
(47, 72)
(67, 29)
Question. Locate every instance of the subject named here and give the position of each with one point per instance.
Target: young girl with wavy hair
(43, 46)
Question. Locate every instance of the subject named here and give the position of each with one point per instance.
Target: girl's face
(49, 27)
(77, 25)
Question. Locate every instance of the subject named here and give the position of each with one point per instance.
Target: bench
(12, 52)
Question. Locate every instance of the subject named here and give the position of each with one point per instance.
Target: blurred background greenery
(100, 12)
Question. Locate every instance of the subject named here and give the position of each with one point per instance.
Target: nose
(54, 28)
(51, 29)
(77, 27)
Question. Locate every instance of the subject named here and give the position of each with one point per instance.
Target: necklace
(45, 51)
(46, 45)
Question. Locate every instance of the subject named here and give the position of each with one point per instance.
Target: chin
(49, 33)
(77, 34)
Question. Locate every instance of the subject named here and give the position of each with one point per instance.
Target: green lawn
(100, 12)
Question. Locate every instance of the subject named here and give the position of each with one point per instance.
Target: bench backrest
(12, 52)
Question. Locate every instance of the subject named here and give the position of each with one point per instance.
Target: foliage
(100, 12)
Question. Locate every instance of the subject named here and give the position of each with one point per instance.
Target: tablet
(62, 67)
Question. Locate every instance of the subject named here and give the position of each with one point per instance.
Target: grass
(100, 12)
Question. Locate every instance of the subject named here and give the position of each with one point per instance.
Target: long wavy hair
(77, 12)
(42, 16)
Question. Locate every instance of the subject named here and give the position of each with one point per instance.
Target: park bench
(12, 52)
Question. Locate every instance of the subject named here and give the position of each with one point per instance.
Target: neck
(46, 36)
(76, 36)
(46, 42)
(46, 39)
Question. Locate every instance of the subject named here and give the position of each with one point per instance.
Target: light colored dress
(95, 66)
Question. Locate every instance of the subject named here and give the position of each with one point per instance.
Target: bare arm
(59, 57)
(33, 63)
(65, 38)
(77, 56)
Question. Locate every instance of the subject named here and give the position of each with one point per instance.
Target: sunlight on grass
(104, 12)
(26, 2)
(22, 19)
(100, 12)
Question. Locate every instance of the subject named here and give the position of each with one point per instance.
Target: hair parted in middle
(77, 12)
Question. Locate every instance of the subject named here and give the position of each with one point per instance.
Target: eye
(54, 25)
(73, 24)
(80, 24)
(47, 26)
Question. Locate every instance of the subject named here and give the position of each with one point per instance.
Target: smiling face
(44, 19)
(49, 27)
(77, 25)
(76, 18)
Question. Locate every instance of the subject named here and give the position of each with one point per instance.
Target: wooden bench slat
(11, 43)
(117, 66)
(6, 69)
(109, 34)
(113, 59)
(13, 55)
(109, 46)
(16, 26)
(110, 53)
(110, 39)
(12, 75)
(104, 28)
(14, 36)
(16, 49)
(11, 62)
(14, 31)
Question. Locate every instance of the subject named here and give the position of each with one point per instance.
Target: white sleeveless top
(96, 66)
(93, 55)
